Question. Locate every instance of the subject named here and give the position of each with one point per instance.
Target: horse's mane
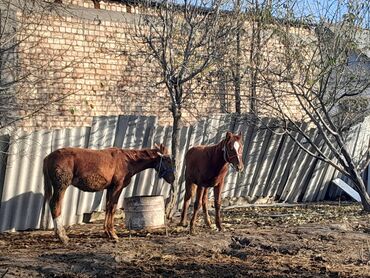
(142, 154)
(215, 147)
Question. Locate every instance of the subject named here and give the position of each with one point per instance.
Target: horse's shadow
(22, 212)
(90, 264)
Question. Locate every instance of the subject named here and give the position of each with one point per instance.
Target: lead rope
(165, 216)
(224, 151)
(159, 168)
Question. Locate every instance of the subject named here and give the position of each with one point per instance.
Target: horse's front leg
(113, 193)
(197, 206)
(207, 219)
(218, 201)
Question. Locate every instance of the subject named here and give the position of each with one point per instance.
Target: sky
(311, 10)
(331, 10)
(322, 8)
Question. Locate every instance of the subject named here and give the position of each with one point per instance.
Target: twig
(6, 271)
(279, 215)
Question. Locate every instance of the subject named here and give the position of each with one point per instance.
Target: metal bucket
(144, 212)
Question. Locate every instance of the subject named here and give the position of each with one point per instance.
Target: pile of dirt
(305, 241)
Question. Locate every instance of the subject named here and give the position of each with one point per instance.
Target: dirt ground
(324, 240)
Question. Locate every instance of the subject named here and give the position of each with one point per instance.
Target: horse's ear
(228, 135)
(156, 146)
(162, 149)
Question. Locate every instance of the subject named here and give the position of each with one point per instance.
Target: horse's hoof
(192, 232)
(112, 237)
(62, 236)
(110, 234)
(64, 240)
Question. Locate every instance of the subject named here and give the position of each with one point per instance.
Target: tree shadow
(22, 212)
(71, 264)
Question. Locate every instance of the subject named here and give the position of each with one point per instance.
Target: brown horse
(206, 166)
(96, 170)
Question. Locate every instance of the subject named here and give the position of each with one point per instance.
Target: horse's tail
(48, 190)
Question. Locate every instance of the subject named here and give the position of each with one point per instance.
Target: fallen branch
(6, 271)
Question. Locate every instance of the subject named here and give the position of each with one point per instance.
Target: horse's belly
(207, 182)
(91, 183)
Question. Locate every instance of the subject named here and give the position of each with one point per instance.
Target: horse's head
(233, 150)
(164, 165)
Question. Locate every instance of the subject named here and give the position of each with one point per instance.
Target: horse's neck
(140, 160)
(219, 158)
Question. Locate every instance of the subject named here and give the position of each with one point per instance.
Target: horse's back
(78, 159)
(57, 158)
(89, 170)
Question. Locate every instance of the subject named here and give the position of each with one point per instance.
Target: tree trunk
(253, 73)
(255, 56)
(365, 201)
(172, 201)
(237, 77)
(361, 189)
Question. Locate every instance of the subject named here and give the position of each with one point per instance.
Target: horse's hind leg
(60, 180)
(48, 191)
(56, 212)
(207, 219)
(197, 206)
(189, 193)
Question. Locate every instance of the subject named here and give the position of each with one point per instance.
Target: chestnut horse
(96, 170)
(206, 166)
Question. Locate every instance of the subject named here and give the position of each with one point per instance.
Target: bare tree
(28, 73)
(241, 66)
(236, 66)
(319, 75)
(257, 12)
(184, 39)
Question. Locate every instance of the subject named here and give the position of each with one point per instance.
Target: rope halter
(162, 169)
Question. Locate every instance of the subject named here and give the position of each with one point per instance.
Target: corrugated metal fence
(275, 167)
